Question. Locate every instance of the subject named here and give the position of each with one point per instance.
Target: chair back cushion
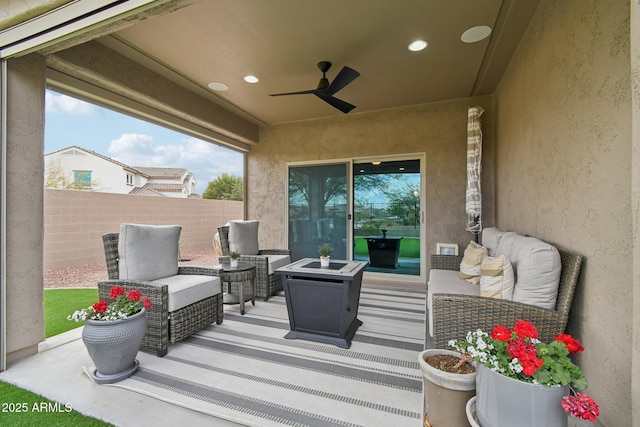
(243, 237)
(148, 252)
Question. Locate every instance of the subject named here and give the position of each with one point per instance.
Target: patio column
(23, 194)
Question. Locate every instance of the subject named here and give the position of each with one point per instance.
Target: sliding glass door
(318, 209)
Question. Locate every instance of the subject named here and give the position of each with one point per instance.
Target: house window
(82, 179)
(129, 179)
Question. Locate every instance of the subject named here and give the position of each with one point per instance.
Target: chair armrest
(446, 262)
(454, 315)
(198, 270)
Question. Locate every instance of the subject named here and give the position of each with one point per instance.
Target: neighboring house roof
(162, 172)
(164, 188)
(149, 189)
(145, 191)
(75, 147)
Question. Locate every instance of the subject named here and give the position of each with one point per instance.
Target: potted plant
(325, 253)
(523, 381)
(235, 256)
(113, 333)
(449, 382)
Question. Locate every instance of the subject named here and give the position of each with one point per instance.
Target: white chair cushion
(243, 237)
(497, 279)
(537, 274)
(447, 282)
(490, 238)
(148, 252)
(185, 289)
(277, 261)
(470, 265)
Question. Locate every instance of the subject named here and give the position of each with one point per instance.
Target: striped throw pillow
(496, 280)
(471, 262)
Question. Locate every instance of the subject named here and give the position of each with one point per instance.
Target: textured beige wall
(635, 200)
(25, 148)
(564, 172)
(438, 130)
(76, 220)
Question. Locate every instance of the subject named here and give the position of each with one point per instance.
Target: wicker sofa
(265, 260)
(165, 327)
(454, 313)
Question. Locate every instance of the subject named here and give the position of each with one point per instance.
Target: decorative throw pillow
(243, 237)
(496, 280)
(148, 252)
(471, 262)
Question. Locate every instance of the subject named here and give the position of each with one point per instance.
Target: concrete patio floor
(56, 373)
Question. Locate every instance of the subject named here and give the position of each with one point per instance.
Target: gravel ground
(88, 276)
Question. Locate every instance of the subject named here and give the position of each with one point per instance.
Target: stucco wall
(25, 146)
(439, 130)
(76, 220)
(564, 172)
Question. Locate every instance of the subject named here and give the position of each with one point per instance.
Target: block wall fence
(74, 222)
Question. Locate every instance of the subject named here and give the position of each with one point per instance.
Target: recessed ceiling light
(475, 34)
(218, 86)
(417, 45)
(251, 79)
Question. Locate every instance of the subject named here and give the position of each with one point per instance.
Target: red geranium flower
(134, 295)
(525, 329)
(116, 291)
(501, 333)
(101, 306)
(573, 345)
(146, 302)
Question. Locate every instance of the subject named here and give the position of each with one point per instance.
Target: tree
(225, 187)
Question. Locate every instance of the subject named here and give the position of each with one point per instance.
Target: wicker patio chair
(266, 284)
(164, 327)
(455, 315)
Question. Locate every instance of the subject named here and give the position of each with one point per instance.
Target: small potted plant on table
(325, 252)
(235, 256)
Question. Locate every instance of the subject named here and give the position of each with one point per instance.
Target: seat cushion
(185, 289)
(446, 282)
(243, 237)
(148, 252)
(537, 274)
(490, 238)
(277, 261)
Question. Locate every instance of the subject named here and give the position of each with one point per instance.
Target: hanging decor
(474, 170)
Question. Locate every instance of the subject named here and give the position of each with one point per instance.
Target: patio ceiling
(281, 41)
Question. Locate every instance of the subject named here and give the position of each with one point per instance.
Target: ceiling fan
(326, 90)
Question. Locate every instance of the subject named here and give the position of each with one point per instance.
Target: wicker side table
(242, 274)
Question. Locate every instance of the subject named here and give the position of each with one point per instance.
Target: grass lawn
(21, 408)
(409, 247)
(59, 303)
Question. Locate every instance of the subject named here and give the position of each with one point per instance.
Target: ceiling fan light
(417, 45)
(251, 79)
(475, 34)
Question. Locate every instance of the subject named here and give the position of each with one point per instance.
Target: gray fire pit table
(322, 302)
(243, 274)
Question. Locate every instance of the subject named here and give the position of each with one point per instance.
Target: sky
(70, 121)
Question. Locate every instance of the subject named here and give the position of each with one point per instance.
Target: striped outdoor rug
(246, 372)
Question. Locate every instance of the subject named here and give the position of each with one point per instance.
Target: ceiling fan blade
(341, 105)
(344, 77)
(302, 92)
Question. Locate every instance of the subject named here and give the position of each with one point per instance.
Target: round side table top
(242, 266)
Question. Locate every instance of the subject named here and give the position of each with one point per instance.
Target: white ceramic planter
(503, 401)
